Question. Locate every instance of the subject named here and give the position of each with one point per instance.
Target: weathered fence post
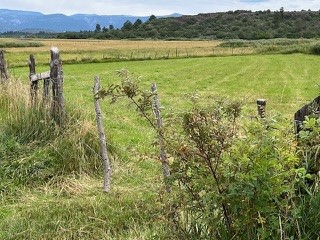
(56, 76)
(34, 80)
(102, 137)
(3, 68)
(46, 87)
(261, 103)
(163, 155)
(33, 84)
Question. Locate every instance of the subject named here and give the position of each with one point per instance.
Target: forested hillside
(229, 25)
(238, 24)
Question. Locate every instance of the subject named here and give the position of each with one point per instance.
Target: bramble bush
(233, 180)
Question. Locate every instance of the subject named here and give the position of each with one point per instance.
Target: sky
(156, 7)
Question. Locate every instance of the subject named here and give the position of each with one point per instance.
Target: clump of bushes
(264, 42)
(241, 179)
(315, 49)
(281, 45)
(20, 44)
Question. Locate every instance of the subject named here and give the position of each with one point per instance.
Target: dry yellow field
(84, 50)
(100, 45)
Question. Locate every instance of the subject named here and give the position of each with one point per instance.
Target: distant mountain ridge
(17, 20)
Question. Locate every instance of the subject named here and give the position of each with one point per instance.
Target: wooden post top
(261, 101)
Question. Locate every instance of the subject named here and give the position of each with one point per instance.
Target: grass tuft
(48, 150)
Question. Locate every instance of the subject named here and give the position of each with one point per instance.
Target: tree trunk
(102, 137)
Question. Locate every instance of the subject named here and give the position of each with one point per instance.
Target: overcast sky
(156, 7)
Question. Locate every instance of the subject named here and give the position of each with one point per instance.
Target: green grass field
(285, 81)
(74, 207)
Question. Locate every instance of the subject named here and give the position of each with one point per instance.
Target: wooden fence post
(163, 155)
(56, 75)
(33, 84)
(46, 87)
(102, 137)
(3, 68)
(261, 103)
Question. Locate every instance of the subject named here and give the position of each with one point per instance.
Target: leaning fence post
(33, 84)
(3, 68)
(163, 155)
(261, 104)
(56, 76)
(102, 137)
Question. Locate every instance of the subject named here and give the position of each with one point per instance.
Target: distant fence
(55, 76)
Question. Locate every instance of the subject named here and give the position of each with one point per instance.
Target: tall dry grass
(49, 150)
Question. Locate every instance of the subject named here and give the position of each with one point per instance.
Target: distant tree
(137, 23)
(98, 28)
(127, 26)
(282, 12)
(153, 33)
(152, 17)
(104, 29)
(111, 27)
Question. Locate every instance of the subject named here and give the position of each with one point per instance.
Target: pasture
(287, 82)
(74, 206)
(88, 51)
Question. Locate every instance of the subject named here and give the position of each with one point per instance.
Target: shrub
(315, 49)
(232, 181)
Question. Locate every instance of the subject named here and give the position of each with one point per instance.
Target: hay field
(86, 51)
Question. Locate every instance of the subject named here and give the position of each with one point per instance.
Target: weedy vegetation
(9, 43)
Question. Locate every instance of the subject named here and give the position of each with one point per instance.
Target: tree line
(239, 24)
